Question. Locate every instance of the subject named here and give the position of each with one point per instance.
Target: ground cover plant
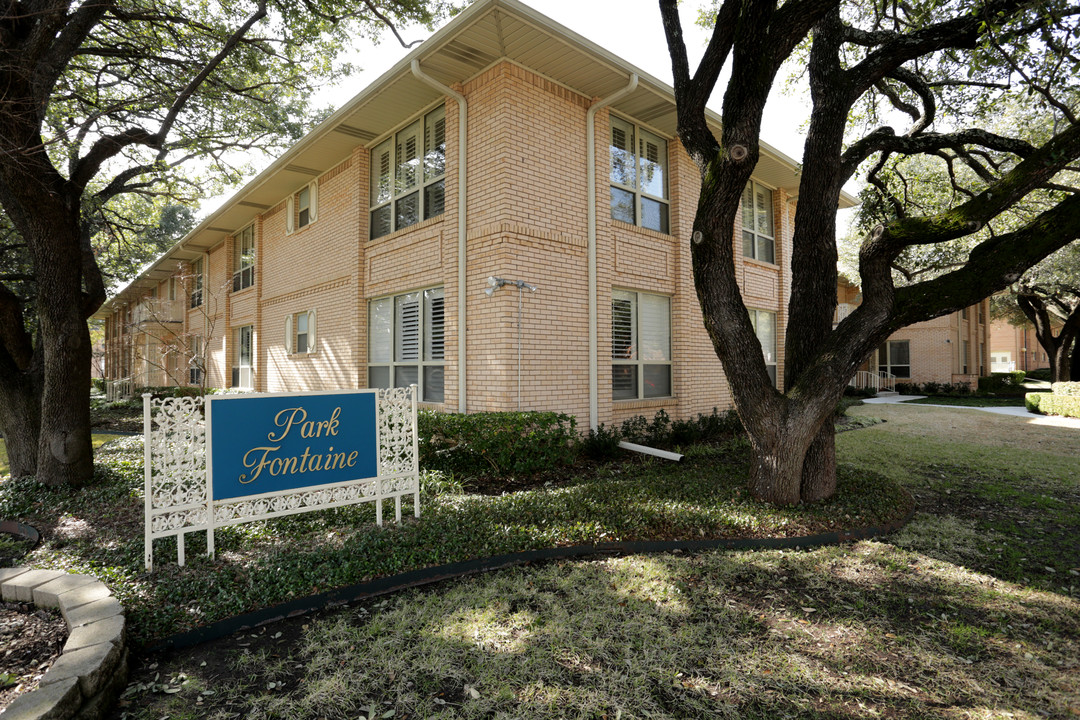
(970, 612)
(98, 529)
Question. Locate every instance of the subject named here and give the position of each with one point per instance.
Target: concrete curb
(92, 670)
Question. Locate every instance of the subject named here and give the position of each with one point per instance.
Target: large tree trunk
(20, 419)
(65, 453)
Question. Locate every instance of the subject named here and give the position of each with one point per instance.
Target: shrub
(1003, 382)
(97, 384)
(601, 444)
(934, 388)
(663, 432)
(1049, 404)
(488, 443)
(169, 391)
(1033, 401)
(855, 392)
(1071, 389)
(1040, 374)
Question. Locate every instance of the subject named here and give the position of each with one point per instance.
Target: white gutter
(590, 139)
(651, 451)
(463, 117)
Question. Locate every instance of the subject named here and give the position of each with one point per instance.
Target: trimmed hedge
(934, 388)
(511, 443)
(1066, 388)
(1050, 404)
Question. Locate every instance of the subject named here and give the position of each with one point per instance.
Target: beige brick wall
(527, 221)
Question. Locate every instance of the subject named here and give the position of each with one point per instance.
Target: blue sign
(270, 443)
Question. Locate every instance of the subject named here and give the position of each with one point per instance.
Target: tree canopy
(888, 81)
(112, 98)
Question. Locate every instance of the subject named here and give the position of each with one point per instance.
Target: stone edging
(92, 670)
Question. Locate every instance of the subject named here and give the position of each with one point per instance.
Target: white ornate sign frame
(179, 498)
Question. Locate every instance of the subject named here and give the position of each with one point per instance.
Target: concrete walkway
(1018, 412)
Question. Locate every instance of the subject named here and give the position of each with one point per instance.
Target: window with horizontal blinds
(196, 283)
(244, 259)
(764, 323)
(407, 178)
(640, 345)
(243, 371)
(757, 221)
(406, 342)
(639, 176)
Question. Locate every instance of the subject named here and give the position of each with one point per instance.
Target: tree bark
(20, 419)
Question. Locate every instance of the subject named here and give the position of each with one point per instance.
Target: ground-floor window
(243, 373)
(894, 357)
(764, 323)
(640, 345)
(406, 343)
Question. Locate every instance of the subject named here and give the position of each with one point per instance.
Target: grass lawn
(96, 439)
(970, 612)
(969, 401)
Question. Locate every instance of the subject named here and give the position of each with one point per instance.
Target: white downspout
(590, 139)
(463, 115)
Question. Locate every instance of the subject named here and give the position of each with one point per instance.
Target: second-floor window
(759, 240)
(197, 283)
(639, 176)
(244, 259)
(408, 175)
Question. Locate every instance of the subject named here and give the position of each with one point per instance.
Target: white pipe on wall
(463, 117)
(590, 139)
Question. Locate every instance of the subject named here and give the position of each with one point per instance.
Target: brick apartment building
(400, 240)
(1015, 347)
(949, 349)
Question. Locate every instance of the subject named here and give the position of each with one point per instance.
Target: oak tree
(935, 65)
(103, 98)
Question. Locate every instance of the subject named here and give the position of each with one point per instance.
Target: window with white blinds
(408, 175)
(406, 342)
(244, 259)
(196, 283)
(640, 345)
(639, 176)
(196, 361)
(759, 240)
(764, 323)
(243, 370)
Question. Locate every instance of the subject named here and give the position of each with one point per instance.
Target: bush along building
(502, 218)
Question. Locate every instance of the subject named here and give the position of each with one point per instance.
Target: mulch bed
(31, 639)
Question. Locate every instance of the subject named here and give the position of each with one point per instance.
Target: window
(300, 332)
(196, 283)
(406, 343)
(963, 313)
(172, 288)
(243, 372)
(982, 314)
(195, 363)
(894, 357)
(640, 345)
(759, 241)
(965, 357)
(764, 323)
(302, 208)
(639, 174)
(244, 259)
(982, 355)
(407, 175)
